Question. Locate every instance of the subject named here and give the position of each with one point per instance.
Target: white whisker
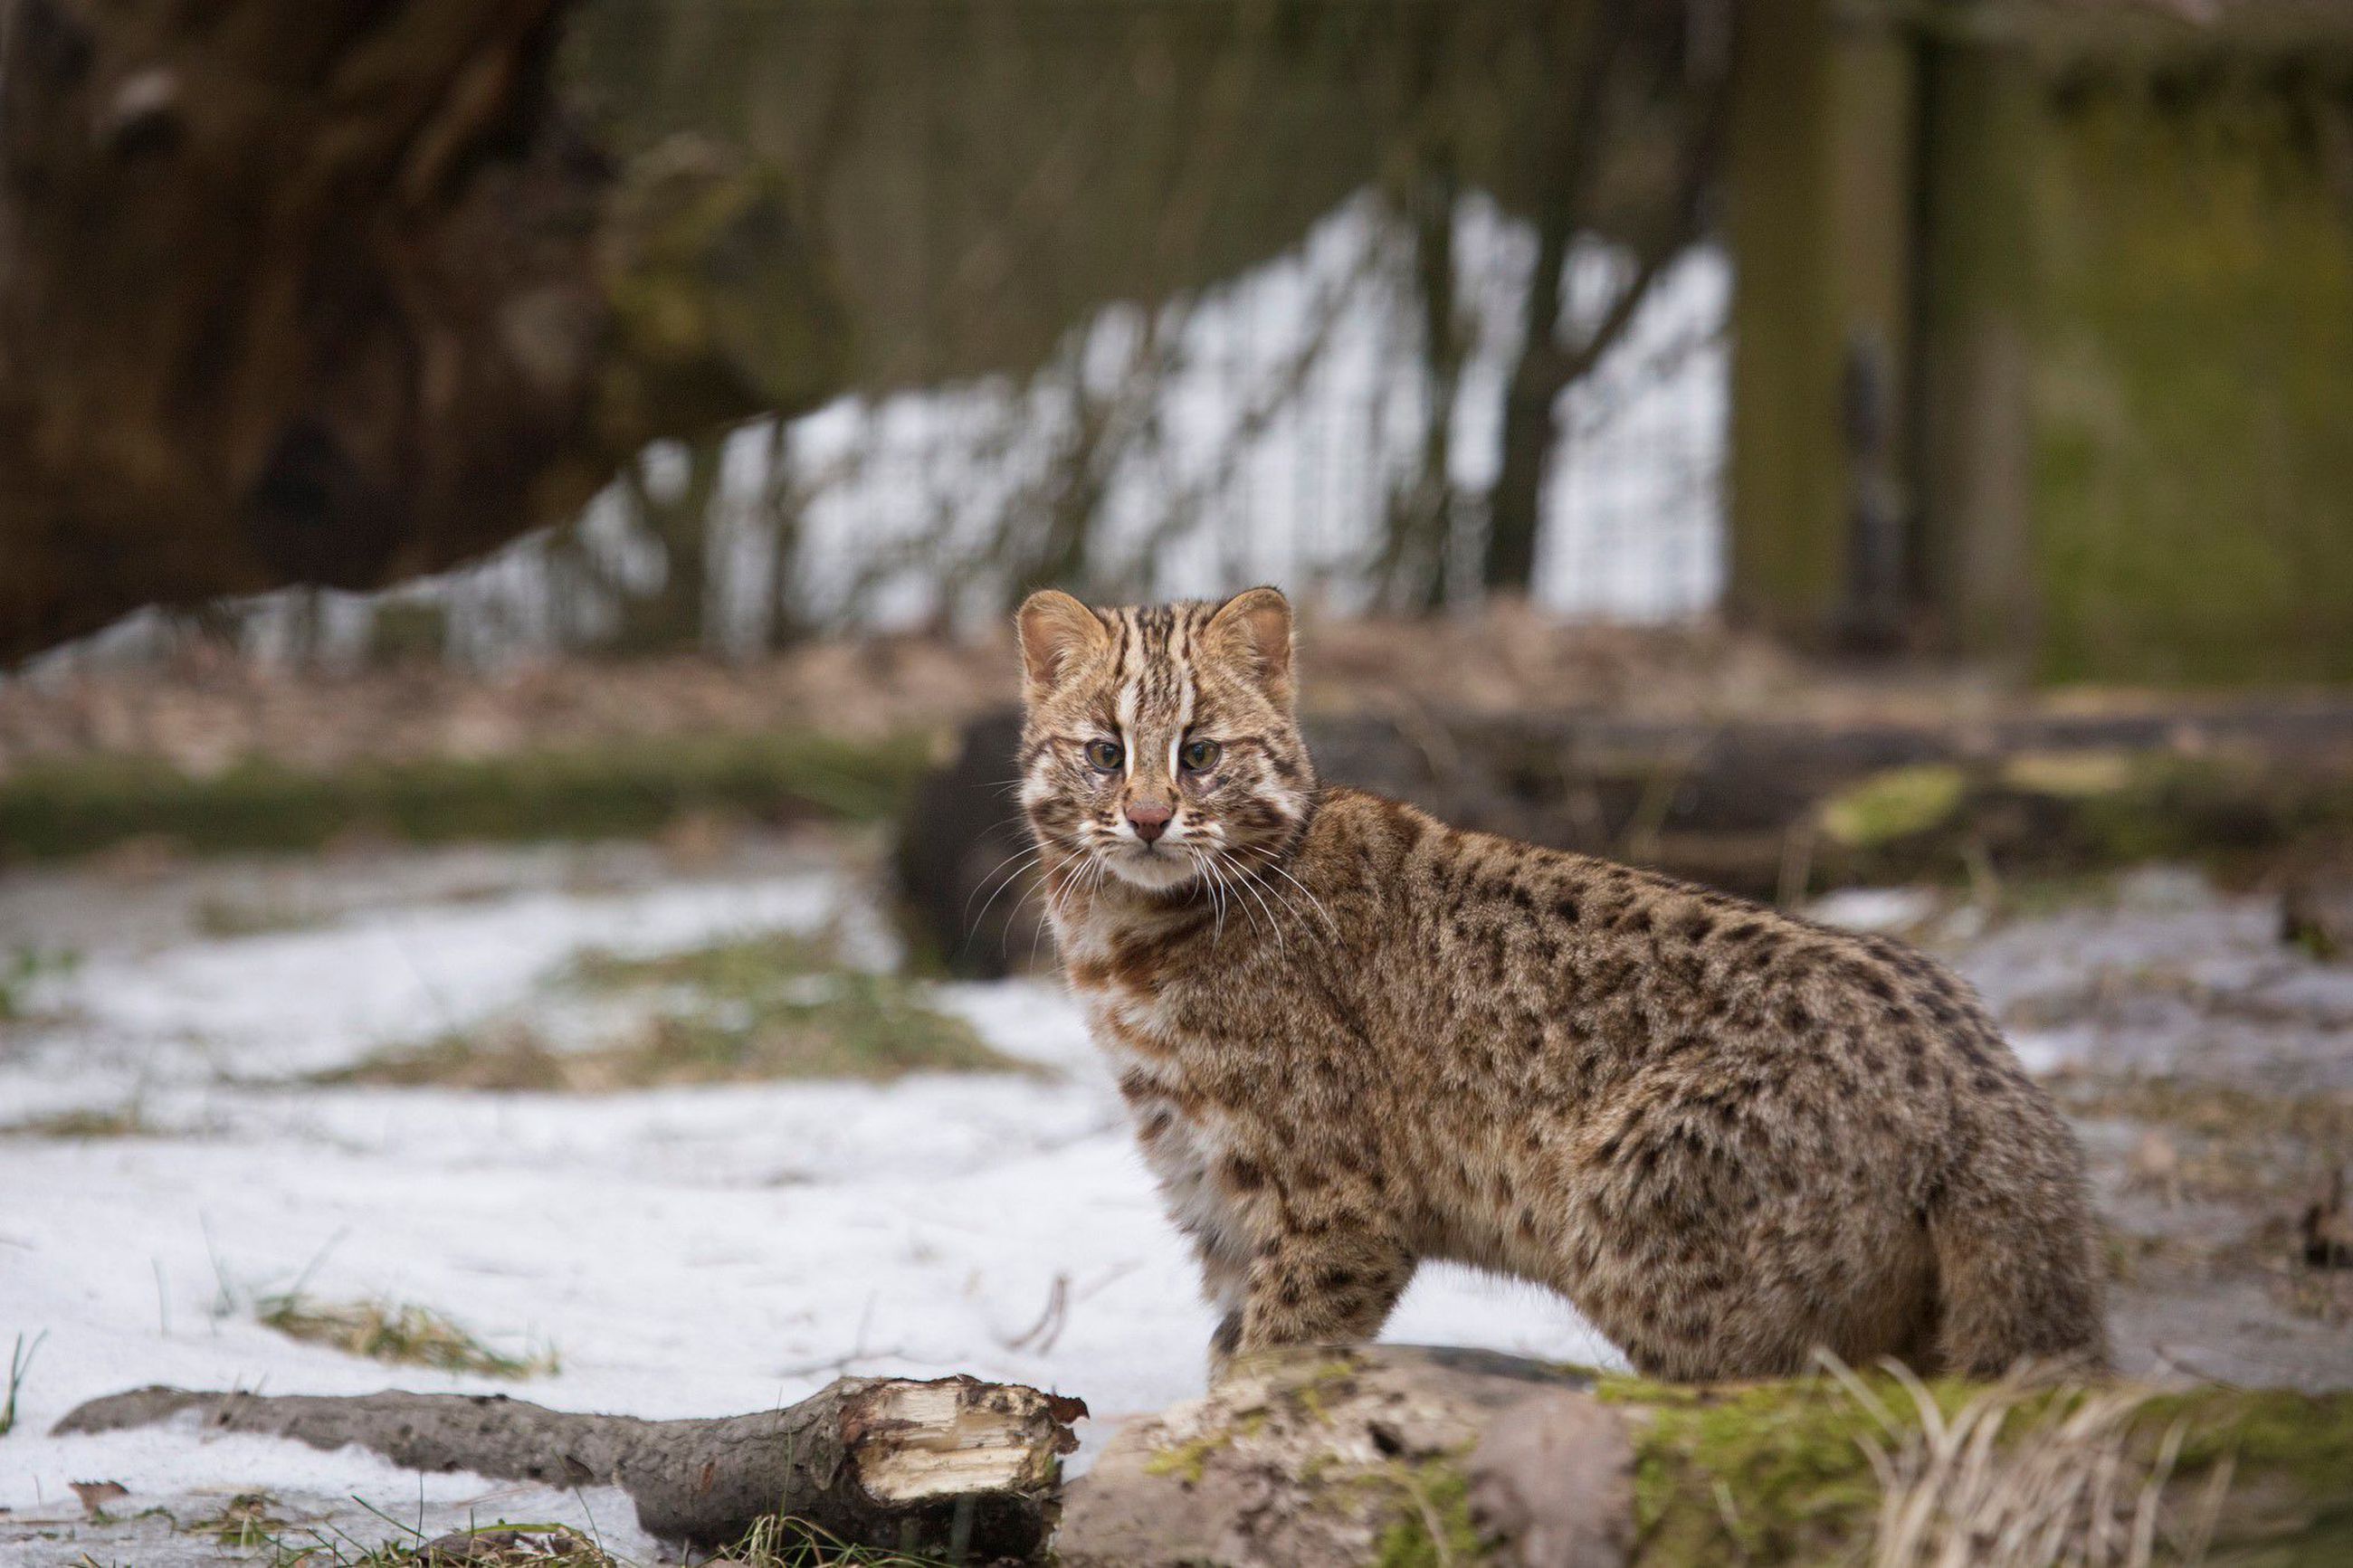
(1251, 887)
(1279, 870)
(972, 927)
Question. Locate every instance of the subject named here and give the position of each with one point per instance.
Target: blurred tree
(332, 294)
(1610, 91)
(677, 517)
(1410, 574)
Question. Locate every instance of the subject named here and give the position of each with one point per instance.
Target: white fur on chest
(1183, 1154)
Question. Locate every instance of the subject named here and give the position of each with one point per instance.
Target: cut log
(1444, 1459)
(954, 1465)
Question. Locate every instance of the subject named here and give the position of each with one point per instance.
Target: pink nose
(1149, 819)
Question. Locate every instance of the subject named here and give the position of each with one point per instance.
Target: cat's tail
(2017, 1272)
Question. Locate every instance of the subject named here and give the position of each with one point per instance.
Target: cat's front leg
(1225, 1279)
(1336, 1287)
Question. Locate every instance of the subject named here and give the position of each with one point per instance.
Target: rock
(1384, 1453)
(2318, 919)
(2328, 1225)
(1554, 1480)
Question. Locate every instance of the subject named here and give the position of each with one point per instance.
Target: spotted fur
(1353, 1038)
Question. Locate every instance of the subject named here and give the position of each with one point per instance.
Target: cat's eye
(1199, 756)
(1104, 754)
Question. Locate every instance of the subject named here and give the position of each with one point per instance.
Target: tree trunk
(1568, 207)
(1403, 1455)
(951, 1466)
(331, 294)
(1543, 368)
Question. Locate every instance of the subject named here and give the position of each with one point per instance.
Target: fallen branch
(956, 1465)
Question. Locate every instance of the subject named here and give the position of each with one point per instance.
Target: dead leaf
(2156, 1163)
(96, 1495)
(2329, 1227)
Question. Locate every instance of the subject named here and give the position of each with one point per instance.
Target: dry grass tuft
(774, 1543)
(2030, 1474)
(127, 1121)
(779, 1541)
(489, 1546)
(767, 1008)
(247, 1521)
(394, 1331)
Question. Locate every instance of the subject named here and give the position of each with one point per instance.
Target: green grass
(1435, 1528)
(785, 1543)
(766, 1008)
(22, 971)
(53, 809)
(20, 1365)
(399, 1332)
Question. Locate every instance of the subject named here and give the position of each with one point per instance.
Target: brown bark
(1547, 367)
(954, 1465)
(304, 293)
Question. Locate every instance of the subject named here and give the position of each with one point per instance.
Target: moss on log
(1404, 1456)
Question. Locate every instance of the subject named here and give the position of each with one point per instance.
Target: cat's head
(1160, 742)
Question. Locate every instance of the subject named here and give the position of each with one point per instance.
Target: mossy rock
(1894, 804)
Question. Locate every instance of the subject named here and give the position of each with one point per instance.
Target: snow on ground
(710, 1250)
(2166, 977)
(685, 1251)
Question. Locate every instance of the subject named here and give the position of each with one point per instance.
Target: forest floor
(207, 710)
(659, 1129)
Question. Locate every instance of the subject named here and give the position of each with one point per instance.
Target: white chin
(1156, 871)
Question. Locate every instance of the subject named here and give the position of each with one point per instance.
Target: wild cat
(1353, 1038)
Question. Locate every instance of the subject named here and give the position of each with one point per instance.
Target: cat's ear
(1253, 627)
(1056, 632)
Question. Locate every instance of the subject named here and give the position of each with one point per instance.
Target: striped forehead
(1154, 678)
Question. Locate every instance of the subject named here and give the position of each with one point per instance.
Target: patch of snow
(309, 1001)
(1889, 909)
(685, 1252)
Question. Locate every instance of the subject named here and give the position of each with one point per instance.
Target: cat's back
(1591, 970)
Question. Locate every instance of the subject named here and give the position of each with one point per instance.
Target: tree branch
(919, 1467)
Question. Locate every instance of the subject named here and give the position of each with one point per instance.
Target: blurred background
(510, 509)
